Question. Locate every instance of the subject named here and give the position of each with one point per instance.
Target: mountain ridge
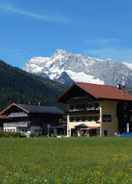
(67, 67)
(19, 86)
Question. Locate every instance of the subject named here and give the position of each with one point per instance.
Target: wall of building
(10, 129)
(109, 128)
(14, 126)
(109, 108)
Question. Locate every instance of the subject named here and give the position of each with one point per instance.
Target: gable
(75, 93)
(13, 110)
(17, 114)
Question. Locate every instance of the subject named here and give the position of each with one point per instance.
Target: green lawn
(66, 161)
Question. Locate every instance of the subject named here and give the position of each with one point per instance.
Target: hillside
(19, 86)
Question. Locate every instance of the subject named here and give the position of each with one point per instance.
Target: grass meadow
(66, 161)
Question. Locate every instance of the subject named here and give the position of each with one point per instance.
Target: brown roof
(103, 92)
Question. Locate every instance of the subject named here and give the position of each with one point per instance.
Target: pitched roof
(105, 91)
(102, 92)
(41, 109)
(35, 109)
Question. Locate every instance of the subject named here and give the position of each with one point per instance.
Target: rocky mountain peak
(67, 67)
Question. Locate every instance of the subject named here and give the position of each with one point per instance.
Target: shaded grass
(66, 161)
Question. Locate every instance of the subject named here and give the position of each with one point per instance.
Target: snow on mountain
(82, 77)
(129, 65)
(67, 67)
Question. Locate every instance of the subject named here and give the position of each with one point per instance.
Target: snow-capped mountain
(67, 67)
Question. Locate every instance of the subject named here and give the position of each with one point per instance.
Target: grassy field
(66, 161)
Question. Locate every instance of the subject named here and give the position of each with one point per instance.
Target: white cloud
(8, 8)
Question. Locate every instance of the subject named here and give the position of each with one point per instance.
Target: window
(107, 118)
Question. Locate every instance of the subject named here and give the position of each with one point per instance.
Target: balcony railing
(84, 109)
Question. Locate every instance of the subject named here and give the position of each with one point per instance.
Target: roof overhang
(10, 106)
(100, 92)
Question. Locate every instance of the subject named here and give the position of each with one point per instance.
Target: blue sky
(98, 28)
